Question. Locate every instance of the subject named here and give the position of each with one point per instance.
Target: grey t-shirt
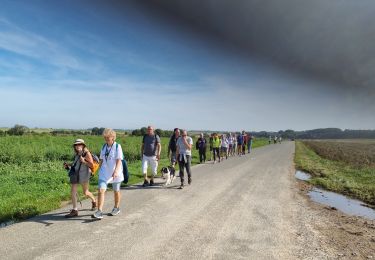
(150, 144)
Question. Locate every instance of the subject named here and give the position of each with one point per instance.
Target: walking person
(150, 150)
(184, 147)
(244, 142)
(234, 144)
(249, 142)
(201, 146)
(230, 144)
(211, 145)
(172, 146)
(275, 139)
(270, 140)
(239, 144)
(81, 174)
(216, 144)
(224, 147)
(110, 171)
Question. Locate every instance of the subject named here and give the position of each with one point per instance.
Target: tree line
(142, 131)
(321, 133)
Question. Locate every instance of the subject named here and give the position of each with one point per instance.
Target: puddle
(303, 176)
(348, 206)
(340, 202)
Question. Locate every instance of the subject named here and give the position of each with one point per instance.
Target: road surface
(242, 208)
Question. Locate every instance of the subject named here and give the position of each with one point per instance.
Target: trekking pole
(79, 199)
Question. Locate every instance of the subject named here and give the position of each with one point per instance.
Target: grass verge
(356, 182)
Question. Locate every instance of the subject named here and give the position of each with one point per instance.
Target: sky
(81, 64)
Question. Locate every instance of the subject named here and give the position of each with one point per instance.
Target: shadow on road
(157, 186)
(50, 219)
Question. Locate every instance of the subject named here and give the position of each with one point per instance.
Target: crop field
(358, 153)
(345, 166)
(33, 181)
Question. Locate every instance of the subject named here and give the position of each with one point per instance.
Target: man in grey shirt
(183, 153)
(151, 150)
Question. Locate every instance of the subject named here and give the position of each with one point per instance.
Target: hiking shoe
(151, 182)
(93, 205)
(73, 213)
(98, 214)
(189, 181)
(145, 184)
(115, 211)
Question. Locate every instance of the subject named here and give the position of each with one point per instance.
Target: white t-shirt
(224, 142)
(182, 147)
(109, 163)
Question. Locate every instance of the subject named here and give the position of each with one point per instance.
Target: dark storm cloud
(328, 40)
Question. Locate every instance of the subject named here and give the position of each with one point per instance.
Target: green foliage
(159, 132)
(70, 132)
(97, 131)
(18, 130)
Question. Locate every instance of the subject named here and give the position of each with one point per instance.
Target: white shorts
(146, 160)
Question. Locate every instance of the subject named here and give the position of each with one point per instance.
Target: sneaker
(189, 181)
(98, 214)
(151, 182)
(115, 211)
(73, 213)
(145, 184)
(181, 187)
(93, 205)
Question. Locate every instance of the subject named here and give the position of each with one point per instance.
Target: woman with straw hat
(80, 174)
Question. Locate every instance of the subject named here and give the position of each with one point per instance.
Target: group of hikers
(110, 162)
(276, 139)
(224, 146)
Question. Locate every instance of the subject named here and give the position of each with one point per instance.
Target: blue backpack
(125, 169)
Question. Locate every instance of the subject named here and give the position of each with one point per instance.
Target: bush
(18, 130)
(97, 131)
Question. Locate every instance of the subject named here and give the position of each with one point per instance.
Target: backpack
(125, 169)
(96, 164)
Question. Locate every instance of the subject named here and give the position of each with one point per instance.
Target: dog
(169, 174)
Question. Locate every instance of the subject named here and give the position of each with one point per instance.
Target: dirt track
(248, 207)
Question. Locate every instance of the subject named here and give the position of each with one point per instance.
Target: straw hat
(79, 141)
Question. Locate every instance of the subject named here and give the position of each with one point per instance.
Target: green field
(346, 166)
(33, 181)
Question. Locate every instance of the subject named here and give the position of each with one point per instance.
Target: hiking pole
(79, 199)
